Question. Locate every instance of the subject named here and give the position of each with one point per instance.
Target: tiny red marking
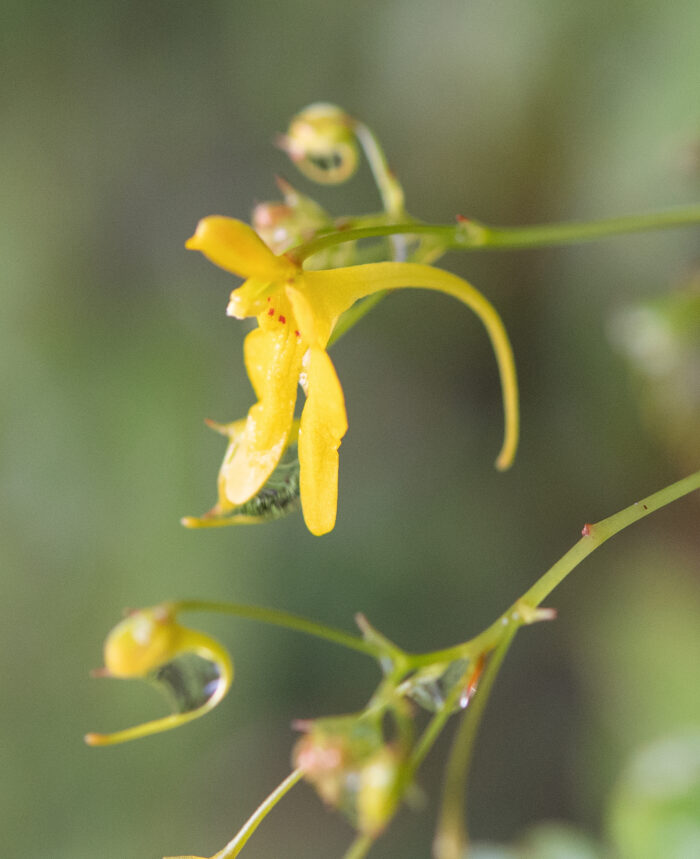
(461, 219)
(282, 319)
(271, 311)
(586, 530)
(297, 334)
(269, 298)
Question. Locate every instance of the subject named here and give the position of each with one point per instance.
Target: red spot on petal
(282, 319)
(269, 298)
(271, 311)
(586, 530)
(297, 334)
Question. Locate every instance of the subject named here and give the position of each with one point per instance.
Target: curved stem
(360, 847)
(390, 190)
(469, 235)
(234, 847)
(274, 617)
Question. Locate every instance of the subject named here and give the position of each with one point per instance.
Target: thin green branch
(390, 190)
(593, 536)
(469, 235)
(451, 835)
(274, 617)
(596, 535)
(360, 847)
(234, 847)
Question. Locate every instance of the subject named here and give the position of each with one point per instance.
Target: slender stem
(541, 235)
(390, 190)
(472, 235)
(596, 535)
(360, 847)
(234, 847)
(284, 619)
(451, 835)
(301, 252)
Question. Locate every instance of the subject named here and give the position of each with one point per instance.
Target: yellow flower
(297, 311)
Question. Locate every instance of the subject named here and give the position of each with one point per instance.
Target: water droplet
(189, 681)
(431, 687)
(278, 497)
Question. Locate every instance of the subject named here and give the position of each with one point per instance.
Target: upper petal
(236, 247)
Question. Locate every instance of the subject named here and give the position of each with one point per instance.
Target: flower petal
(274, 357)
(323, 425)
(237, 248)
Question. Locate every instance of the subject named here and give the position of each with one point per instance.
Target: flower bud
(194, 670)
(321, 142)
(282, 225)
(352, 768)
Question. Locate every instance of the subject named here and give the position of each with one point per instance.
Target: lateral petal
(276, 363)
(323, 425)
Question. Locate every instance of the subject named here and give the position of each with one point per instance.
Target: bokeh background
(122, 123)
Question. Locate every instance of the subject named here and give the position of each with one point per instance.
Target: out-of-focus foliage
(653, 813)
(656, 809)
(125, 122)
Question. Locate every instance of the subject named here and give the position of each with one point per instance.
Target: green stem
(360, 847)
(390, 190)
(284, 619)
(234, 847)
(594, 536)
(470, 235)
(451, 836)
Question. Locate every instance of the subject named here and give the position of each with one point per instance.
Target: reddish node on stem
(462, 219)
(100, 672)
(586, 530)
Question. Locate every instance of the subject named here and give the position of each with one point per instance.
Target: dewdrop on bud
(321, 142)
(192, 669)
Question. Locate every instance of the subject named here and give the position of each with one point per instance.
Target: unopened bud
(321, 142)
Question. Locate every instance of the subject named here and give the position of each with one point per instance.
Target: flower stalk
(472, 235)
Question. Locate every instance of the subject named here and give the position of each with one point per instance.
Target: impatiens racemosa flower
(192, 668)
(297, 311)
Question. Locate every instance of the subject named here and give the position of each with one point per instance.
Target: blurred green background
(121, 124)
